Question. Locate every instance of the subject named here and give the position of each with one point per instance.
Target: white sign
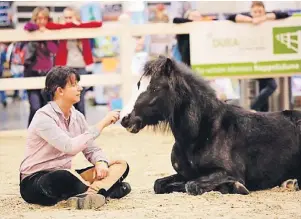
(224, 48)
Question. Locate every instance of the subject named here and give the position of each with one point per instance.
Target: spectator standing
(75, 53)
(38, 57)
(257, 15)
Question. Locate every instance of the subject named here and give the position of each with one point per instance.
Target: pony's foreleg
(169, 184)
(216, 181)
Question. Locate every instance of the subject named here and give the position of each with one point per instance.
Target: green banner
(285, 40)
(247, 68)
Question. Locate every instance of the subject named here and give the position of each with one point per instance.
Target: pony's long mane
(162, 127)
(189, 83)
(179, 72)
(185, 73)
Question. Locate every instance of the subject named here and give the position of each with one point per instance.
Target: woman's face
(42, 20)
(71, 92)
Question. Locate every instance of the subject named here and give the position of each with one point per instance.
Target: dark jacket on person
(278, 14)
(39, 55)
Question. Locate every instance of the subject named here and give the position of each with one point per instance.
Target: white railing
(125, 31)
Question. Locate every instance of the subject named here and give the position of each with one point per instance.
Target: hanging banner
(224, 48)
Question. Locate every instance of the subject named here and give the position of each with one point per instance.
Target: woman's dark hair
(58, 77)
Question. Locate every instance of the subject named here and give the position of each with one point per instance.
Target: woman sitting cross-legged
(56, 134)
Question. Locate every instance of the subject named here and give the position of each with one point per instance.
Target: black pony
(218, 146)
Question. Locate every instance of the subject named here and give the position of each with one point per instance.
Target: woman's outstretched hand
(111, 118)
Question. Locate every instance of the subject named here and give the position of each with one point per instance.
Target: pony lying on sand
(218, 146)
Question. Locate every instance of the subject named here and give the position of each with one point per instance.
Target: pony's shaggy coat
(218, 146)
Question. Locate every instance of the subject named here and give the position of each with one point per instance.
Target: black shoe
(120, 190)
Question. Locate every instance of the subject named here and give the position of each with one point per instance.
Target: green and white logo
(286, 40)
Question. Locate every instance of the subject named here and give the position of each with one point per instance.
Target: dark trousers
(47, 188)
(50, 187)
(267, 87)
(184, 49)
(36, 101)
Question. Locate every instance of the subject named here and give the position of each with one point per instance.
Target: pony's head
(154, 97)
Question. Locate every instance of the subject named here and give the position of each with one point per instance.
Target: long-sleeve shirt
(65, 51)
(52, 142)
(62, 49)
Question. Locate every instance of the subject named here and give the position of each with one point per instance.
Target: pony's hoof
(240, 189)
(159, 187)
(291, 184)
(193, 188)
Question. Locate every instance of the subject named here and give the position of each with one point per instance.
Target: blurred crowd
(27, 59)
(34, 59)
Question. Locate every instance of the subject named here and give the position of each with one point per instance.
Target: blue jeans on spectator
(2, 93)
(267, 87)
(176, 53)
(17, 73)
(36, 101)
(3, 97)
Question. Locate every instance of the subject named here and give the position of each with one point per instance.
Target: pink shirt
(52, 143)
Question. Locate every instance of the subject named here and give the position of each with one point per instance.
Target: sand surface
(148, 155)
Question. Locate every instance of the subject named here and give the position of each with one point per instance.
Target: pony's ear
(168, 68)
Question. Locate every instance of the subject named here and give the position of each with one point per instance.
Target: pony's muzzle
(132, 124)
(125, 121)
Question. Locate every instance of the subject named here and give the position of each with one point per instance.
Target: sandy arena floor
(148, 155)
